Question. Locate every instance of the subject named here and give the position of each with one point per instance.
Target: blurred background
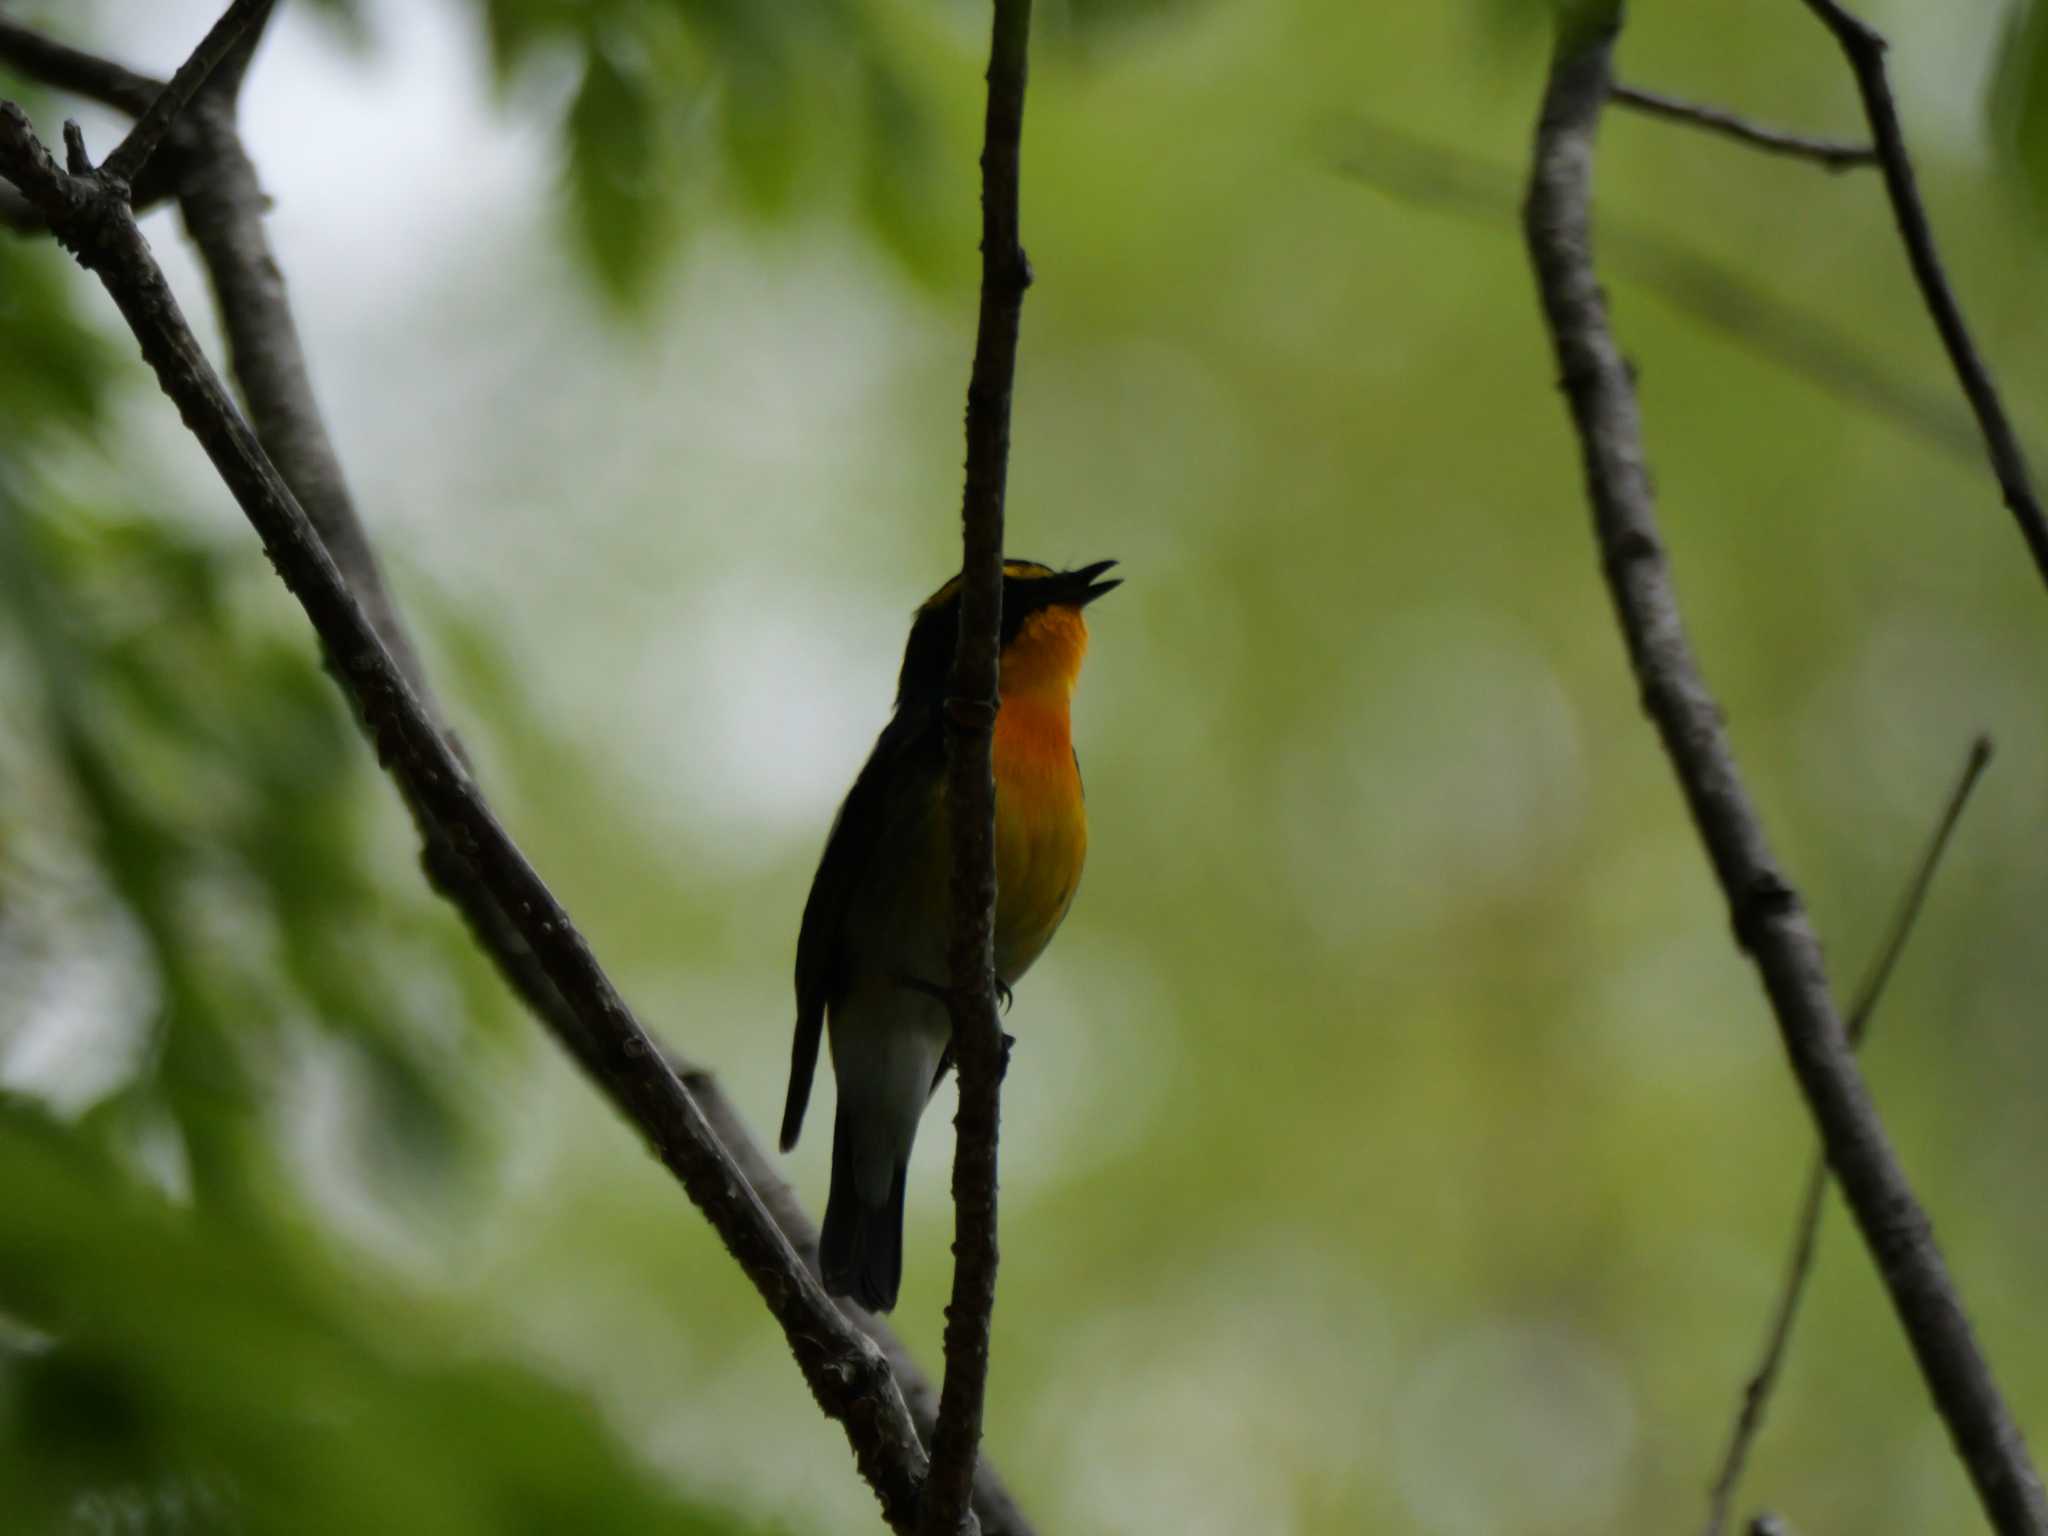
(1395, 1140)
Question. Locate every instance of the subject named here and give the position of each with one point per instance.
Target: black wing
(905, 746)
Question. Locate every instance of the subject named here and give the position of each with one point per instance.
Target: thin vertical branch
(1769, 920)
(971, 794)
(1756, 1392)
(1864, 48)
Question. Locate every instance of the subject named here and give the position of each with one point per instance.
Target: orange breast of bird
(1041, 820)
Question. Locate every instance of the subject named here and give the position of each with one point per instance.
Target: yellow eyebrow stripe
(1023, 570)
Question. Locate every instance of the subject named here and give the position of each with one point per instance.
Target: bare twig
(1871, 992)
(846, 1373)
(971, 793)
(1832, 154)
(1769, 920)
(1864, 48)
(127, 159)
(1756, 1392)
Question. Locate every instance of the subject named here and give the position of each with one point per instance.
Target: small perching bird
(871, 958)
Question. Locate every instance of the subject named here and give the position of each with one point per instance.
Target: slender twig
(1769, 920)
(128, 157)
(224, 206)
(971, 793)
(1756, 1391)
(1832, 154)
(1864, 49)
(846, 1373)
(1871, 991)
(1427, 174)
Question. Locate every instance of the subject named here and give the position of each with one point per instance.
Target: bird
(871, 956)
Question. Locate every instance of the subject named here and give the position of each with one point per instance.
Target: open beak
(1085, 587)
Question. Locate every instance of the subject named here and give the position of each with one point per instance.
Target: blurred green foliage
(168, 1369)
(1395, 1140)
(2019, 104)
(677, 97)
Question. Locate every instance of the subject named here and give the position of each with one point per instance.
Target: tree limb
(1864, 48)
(1832, 154)
(1756, 1391)
(846, 1373)
(971, 794)
(1769, 921)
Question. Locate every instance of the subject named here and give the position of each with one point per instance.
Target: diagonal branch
(1769, 920)
(1831, 154)
(224, 205)
(970, 790)
(1864, 48)
(1756, 1392)
(846, 1373)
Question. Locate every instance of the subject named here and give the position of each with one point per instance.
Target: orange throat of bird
(1039, 670)
(1041, 823)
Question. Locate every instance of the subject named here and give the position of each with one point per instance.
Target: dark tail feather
(860, 1252)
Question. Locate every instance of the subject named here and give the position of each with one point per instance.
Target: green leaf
(2018, 102)
(621, 184)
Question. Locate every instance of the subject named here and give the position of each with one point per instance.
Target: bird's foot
(930, 989)
(941, 994)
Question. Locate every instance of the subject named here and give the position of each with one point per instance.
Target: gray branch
(1769, 920)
